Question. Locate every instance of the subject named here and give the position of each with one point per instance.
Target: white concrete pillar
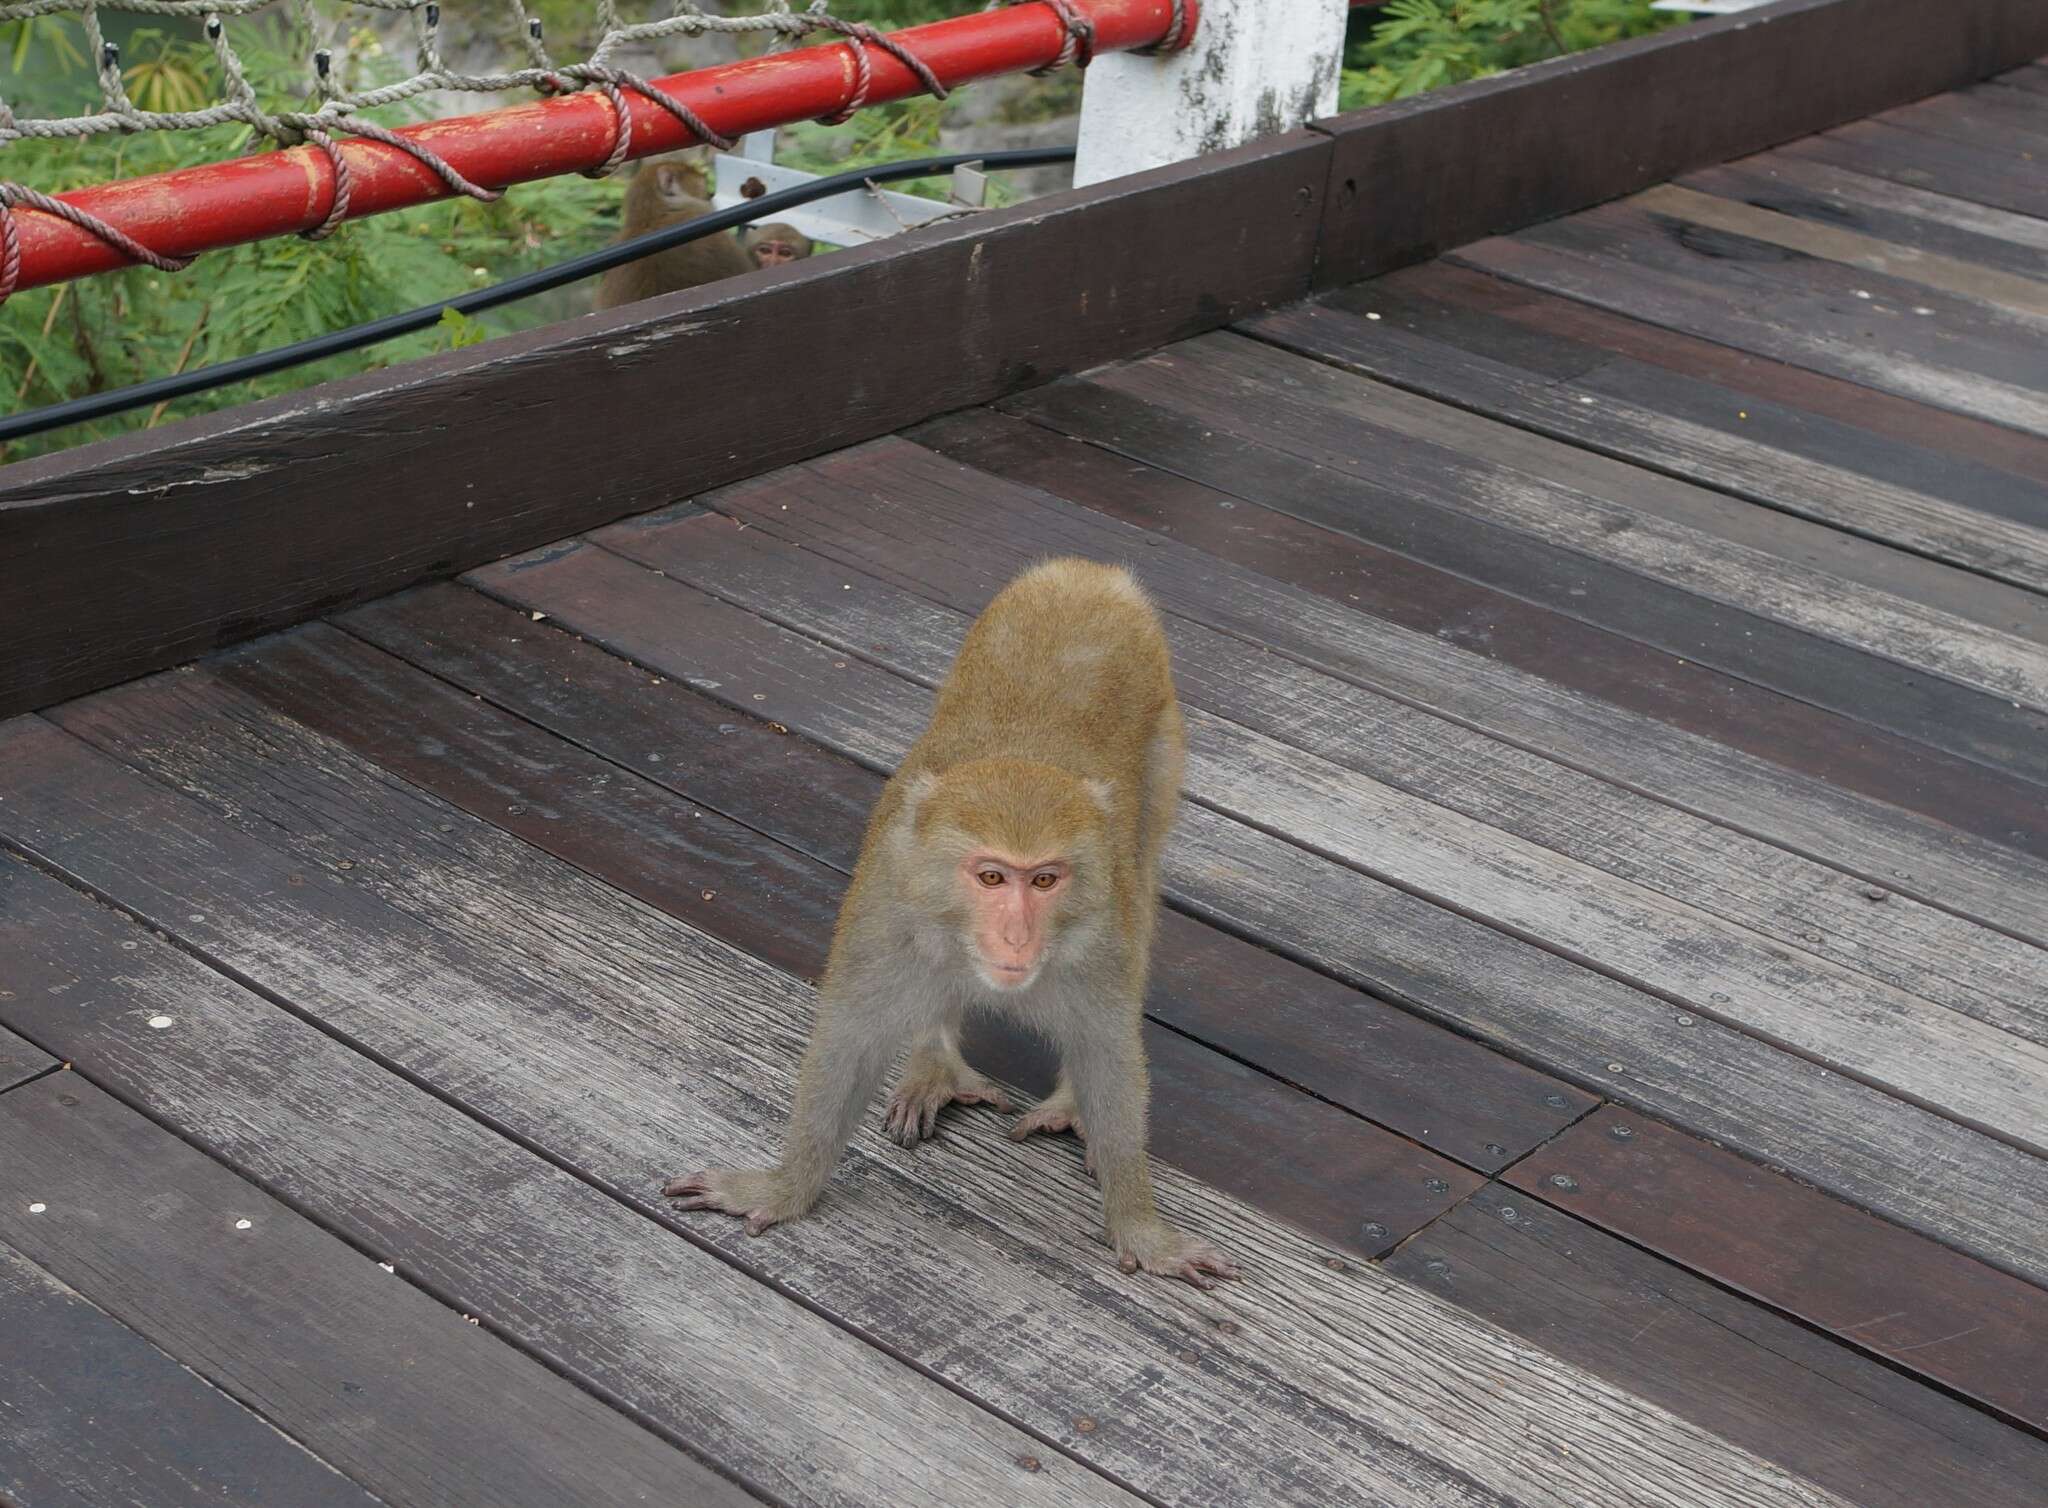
(1254, 68)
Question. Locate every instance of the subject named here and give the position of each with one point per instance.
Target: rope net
(334, 108)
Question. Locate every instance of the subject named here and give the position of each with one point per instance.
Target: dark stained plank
(20, 1061)
(1878, 341)
(2032, 78)
(580, 1276)
(1210, 1115)
(225, 525)
(636, 1042)
(899, 513)
(1344, 1046)
(1493, 624)
(1705, 437)
(1845, 1422)
(393, 1388)
(1353, 455)
(94, 1416)
(1964, 170)
(1993, 121)
(1781, 1109)
(1924, 1308)
(1968, 441)
(1919, 218)
(1428, 173)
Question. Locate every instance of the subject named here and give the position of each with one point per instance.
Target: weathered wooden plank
(21, 1061)
(972, 1257)
(1446, 167)
(1971, 443)
(1964, 279)
(893, 512)
(1925, 1309)
(394, 1389)
(2032, 78)
(1850, 1022)
(1500, 627)
(1918, 218)
(1992, 121)
(1848, 1423)
(94, 1416)
(1588, 505)
(1753, 795)
(1435, 1087)
(1425, 499)
(1877, 341)
(1210, 1116)
(254, 517)
(1923, 1171)
(1961, 170)
(575, 1271)
(1727, 447)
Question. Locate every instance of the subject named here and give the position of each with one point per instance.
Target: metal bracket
(850, 219)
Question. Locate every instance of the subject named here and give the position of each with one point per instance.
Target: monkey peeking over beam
(1011, 864)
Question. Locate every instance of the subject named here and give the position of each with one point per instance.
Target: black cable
(159, 389)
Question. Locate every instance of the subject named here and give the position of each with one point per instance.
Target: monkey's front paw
(1052, 1115)
(758, 1197)
(1159, 1248)
(915, 1105)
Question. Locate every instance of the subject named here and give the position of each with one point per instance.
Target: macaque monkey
(774, 244)
(1011, 864)
(664, 191)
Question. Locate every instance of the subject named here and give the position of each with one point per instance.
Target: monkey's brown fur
(1057, 741)
(667, 191)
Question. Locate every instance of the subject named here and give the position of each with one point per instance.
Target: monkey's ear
(677, 181)
(1103, 792)
(916, 791)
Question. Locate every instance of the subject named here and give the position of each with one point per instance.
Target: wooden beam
(144, 550)
(1422, 175)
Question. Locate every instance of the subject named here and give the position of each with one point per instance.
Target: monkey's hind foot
(1052, 1115)
(1159, 1248)
(761, 1198)
(928, 1086)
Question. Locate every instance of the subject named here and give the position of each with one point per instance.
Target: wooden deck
(1603, 998)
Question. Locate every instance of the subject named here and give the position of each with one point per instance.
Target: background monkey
(1012, 863)
(774, 244)
(664, 191)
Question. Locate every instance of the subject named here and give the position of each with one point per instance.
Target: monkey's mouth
(1008, 976)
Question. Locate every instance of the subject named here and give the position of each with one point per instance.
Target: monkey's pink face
(1012, 904)
(774, 253)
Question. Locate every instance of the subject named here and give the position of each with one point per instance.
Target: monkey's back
(1068, 666)
(690, 265)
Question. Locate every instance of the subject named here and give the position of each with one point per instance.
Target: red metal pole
(280, 193)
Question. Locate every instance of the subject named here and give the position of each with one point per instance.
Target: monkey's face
(775, 253)
(1014, 905)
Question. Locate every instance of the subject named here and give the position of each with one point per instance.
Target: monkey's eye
(1044, 881)
(990, 878)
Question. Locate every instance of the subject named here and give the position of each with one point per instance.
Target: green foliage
(1408, 46)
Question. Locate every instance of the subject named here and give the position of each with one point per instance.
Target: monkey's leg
(1107, 1060)
(936, 1076)
(849, 1051)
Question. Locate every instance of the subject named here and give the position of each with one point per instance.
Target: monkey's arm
(1106, 1065)
(851, 1044)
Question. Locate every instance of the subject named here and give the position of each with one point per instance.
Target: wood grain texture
(1489, 623)
(1973, 444)
(903, 515)
(656, 841)
(1335, 1384)
(1852, 1023)
(1586, 505)
(1921, 1307)
(1877, 341)
(1921, 219)
(248, 519)
(21, 1061)
(94, 1416)
(391, 1387)
(1422, 175)
(1777, 1108)
(1435, 1087)
(2011, 292)
(603, 1294)
(1965, 170)
(1847, 1422)
(1755, 795)
(1785, 459)
(1990, 119)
